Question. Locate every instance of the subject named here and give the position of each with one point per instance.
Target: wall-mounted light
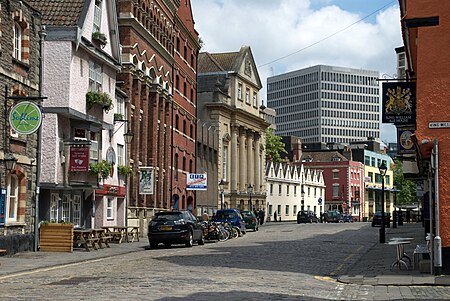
(128, 137)
(10, 162)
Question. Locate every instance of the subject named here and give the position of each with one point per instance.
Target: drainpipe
(42, 35)
(437, 239)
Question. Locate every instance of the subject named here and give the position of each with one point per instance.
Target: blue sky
(309, 32)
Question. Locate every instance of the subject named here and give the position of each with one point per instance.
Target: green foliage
(102, 168)
(99, 36)
(407, 194)
(118, 117)
(274, 147)
(99, 98)
(46, 222)
(124, 170)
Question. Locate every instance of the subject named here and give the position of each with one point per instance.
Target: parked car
(306, 216)
(333, 216)
(347, 218)
(376, 220)
(232, 216)
(251, 221)
(174, 227)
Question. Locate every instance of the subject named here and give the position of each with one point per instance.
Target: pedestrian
(261, 215)
(275, 216)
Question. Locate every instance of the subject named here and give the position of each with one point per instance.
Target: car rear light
(254, 220)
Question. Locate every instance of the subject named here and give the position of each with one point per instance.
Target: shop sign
(112, 190)
(399, 103)
(196, 181)
(25, 117)
(79, 158)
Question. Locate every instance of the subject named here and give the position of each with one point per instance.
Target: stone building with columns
(228, 97)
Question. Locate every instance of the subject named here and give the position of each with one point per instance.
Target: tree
(407, 189)
(274, 147)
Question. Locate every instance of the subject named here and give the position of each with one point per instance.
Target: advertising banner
(79, 158)
(146, 179)
(399, 103)
(196, 181)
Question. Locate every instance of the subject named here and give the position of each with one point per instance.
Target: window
(120, 155)
(255, 99)
(97, 16)
(295, 190)
(184, 127)
(54, 206)
(286, 210)
(240, 91)
(247, 95)
(271, 189)
(335, 174)
(184, 163)
(95, 77)
(175, 167)
(177, 121)
(335, 191)
(93, 150)
(224, 162)
(77, 210)
(370, 174)
(109, 209)
(191, 165)
(279, 189)
(279, 209)
(17, 41)
(66, 209)
(295, 210)
(12, 201)
(120, 106)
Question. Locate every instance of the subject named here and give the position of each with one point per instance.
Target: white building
(291, 189)
(326, 104)
(82, 54)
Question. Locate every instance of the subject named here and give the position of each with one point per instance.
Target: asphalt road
(282, 261)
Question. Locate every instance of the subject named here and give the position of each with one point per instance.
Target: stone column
(234, 158)
(257, 169)
(242, 159)
(250, 158)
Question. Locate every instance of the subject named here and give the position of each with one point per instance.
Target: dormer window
(335, 158)
(97, 16)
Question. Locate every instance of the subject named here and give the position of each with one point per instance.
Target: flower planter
(56, 237)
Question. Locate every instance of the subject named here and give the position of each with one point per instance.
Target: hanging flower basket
(99, 98)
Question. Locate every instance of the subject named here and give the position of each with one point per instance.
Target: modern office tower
(326, 104)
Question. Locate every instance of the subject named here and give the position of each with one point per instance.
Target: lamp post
(250, 190)
(221, 186)
(383, 170)
(394, 219)
(128, 137)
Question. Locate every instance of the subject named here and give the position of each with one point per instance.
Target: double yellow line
(339, 267)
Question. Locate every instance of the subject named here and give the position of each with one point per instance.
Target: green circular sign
(25, 117)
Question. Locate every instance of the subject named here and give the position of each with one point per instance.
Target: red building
(184, 109)
(426, 28)
(159, 50)
(344, 181)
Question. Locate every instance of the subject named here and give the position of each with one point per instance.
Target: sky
(287, 35)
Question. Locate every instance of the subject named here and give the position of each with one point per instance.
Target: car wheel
(190, 241)
(153, 245)
(201, 242)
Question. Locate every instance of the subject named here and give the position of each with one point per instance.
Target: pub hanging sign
(399, 103)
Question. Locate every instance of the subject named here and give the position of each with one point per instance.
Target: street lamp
(221, 185)
(128, 137)
(10, 162)
(394, 219)
(383, 170)
(250, 190)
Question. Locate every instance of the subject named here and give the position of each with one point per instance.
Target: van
(232, 216)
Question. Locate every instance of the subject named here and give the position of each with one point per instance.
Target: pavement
(373, 267)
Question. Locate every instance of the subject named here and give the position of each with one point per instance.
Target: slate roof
(59, 12)
(323, 156)
(218, 62)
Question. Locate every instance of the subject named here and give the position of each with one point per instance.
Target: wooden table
(85, 238)
(103, 238)
(117, 233)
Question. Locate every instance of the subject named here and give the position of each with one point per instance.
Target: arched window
(184, 127)
(175, 167)
(191, 131)
(191, 164)
(177, 121)
(12, 198)
(184, 163)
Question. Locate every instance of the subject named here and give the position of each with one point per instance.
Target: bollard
(437, 256)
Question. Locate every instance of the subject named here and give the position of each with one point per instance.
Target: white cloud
(275, 29)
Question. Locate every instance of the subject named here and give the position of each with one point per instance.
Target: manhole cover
(74, 281)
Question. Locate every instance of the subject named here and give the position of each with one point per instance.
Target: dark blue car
(232, 216)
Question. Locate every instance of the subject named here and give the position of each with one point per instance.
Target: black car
(376, 220)
(306, 217)
(175, 227)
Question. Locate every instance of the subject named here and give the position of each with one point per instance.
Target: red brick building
(159, 49)
(426, 28)
(344, 181)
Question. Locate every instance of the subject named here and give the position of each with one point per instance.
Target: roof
(326, 156)
(59, 12)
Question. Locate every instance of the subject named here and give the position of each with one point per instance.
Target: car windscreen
(247, 214)
(225, 215)
(167, 217)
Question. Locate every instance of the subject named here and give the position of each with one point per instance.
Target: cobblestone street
(282, 261)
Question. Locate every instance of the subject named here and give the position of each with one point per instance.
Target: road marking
(345, 260)
(325, 278)
(49, 269)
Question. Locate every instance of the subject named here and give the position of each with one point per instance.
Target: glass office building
(326, 104)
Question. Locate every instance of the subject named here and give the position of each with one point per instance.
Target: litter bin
(365, 219)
